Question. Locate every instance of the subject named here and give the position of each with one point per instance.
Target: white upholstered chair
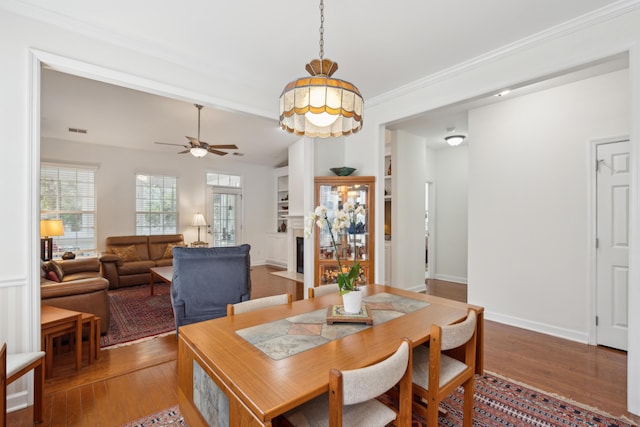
(15, 366)
(436, 374)
(351, 400)
(318, 291)
(255, 304)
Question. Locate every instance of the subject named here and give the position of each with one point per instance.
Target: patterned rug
(137, 315)
(497, 402)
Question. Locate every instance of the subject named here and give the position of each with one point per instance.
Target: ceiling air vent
(76, 130)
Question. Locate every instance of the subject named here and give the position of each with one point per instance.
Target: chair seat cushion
(136, 267)
(18, 361)
(316, 413)
(449, 367)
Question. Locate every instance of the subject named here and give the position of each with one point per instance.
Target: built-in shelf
(282, 202)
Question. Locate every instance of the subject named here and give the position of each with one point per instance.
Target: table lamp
(48, 229)
(199, 221)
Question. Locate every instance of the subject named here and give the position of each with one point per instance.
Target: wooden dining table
(223, 378)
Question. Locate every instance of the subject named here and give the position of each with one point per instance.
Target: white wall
(115, 182)
(408, 153)
(548, 53)
(451, 210)
(528, 201)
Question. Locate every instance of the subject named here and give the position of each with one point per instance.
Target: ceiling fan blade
(167, 143)
(227, 146)
(185, 151)
(194, 141)
(218, 152)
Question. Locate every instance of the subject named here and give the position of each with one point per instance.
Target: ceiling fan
(200, 148)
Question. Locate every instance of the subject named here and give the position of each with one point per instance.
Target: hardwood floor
(131, 382)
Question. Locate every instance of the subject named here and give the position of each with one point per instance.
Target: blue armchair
(205, 280)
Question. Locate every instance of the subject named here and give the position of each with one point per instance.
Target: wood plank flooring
(130, 382)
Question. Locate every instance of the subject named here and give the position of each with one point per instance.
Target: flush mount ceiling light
(454, 140)
(320, 106)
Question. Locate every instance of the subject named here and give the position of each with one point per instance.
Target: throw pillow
(168, 252)
(43, 269)
(56, 268)
(51, 275)
(126, 253)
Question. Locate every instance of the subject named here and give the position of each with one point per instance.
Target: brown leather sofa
(81, 288)
(128, 259)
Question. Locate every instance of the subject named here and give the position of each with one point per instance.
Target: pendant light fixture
(321, 106)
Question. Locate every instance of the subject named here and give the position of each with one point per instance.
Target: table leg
(480, 344)
(48, 348)
(92, 340)
(78, 341)
(97, 337)
(151, 281)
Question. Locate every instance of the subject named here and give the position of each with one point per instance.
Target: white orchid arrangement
(343, 220)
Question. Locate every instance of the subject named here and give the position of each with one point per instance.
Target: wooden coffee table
(163, 273)
(55, 322)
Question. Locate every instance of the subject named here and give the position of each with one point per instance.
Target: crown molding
(587, 20)
(198, 64)
(146, 47)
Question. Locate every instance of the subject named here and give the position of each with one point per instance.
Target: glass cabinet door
(354, 244)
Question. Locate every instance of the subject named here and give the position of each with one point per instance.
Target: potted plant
(345, 221)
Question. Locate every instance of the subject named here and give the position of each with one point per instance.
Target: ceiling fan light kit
(199, 148)
(198, 151)
(321, 106)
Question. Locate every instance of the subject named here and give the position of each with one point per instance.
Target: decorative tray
(336, 313)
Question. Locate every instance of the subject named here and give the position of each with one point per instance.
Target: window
(156, 204)
(224, 208)
(69, 193)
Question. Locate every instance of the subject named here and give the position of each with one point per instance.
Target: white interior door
(612, 227)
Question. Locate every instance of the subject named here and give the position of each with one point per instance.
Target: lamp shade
(198, 220)
(51, 227)
(321, 106)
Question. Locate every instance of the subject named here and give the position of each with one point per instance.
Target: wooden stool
(89, 320)
(55, 322)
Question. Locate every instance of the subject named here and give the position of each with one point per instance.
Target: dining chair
(436, 374)
(351, 400)
(14, 366)
(254, 304)
(318, 291)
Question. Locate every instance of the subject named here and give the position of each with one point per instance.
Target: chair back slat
(255, 304)
(363, 384)
(459, 333)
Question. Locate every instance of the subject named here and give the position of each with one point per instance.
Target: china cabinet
(356, 243)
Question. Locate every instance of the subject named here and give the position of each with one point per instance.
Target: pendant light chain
(321, 29)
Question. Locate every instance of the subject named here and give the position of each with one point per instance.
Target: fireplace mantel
(295, 228)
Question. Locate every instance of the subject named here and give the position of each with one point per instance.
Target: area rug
(137, 315)
(497, 402)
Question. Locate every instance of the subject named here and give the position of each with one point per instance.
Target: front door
(612, 228)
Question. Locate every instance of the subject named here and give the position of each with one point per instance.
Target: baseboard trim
(543, 328)
(17, 401)
(454, 279)
(419, 288)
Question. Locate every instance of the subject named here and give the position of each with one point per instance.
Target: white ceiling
(380, 47)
